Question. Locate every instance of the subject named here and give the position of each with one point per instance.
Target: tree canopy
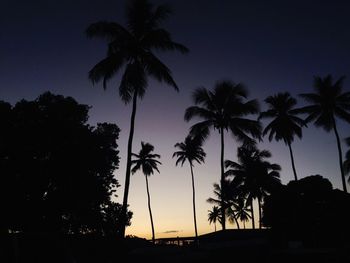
(56, 171)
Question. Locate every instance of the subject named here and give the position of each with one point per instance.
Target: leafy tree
(214, 215)
(253, 175)
(190, 150)
(285, 124)
(328, 102)
(58, 170)
(146, 161)
(111, 218)
(224, 109)
(306, 209)
(131, 49)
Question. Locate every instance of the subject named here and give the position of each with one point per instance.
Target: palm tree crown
(191, 150)
(285, 124)
(145, 160)
(224, 108)
(328, 102)
(133, 47)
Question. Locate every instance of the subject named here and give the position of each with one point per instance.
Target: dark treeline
(56, 171)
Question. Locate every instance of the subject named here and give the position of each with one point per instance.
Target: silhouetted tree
(306, 209)
(253, 175)
(131, 49)
(230, 195)
(242, 211)
(214, 215)
(328, 102)
(285, 124)
(111, 218)
(190, 150)
(146, 161)
(224, 109)
(56, 170)
(232, 216)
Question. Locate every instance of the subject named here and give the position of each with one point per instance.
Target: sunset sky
(270, 46)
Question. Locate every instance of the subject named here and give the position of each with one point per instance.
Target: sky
(270, 46)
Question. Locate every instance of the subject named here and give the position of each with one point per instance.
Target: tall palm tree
(131, 50)
(146, 161)
(224, 109)
(214, 215)
(285, 124)
(255, 176)
(190, 150)
(328, 102)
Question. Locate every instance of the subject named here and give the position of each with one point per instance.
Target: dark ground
(235, 246)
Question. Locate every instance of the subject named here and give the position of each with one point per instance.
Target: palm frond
(158, 69)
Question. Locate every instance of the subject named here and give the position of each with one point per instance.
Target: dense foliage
(56, 171)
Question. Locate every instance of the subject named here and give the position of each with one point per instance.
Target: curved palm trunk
(223, 221)
(149, 208)
(194, 203)
(292, 158)
(128, 168)
(340, 156)
(252, 211)
(237, 222)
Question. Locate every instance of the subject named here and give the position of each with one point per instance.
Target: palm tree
(229, 195)
(328, 102)
(253, 175)
(242, 212)
(214, 215)
(224, 109)
(131, 50)
(146, 161)
(285, 124)
(232, 216)
(190, 150)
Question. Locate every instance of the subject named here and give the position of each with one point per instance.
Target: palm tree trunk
(128, 168)
(292, 158)
(252, 211)
(259, 207)
(237, 222)
(215, 226)
(194, 203)
(223, 221)
(149, 208)
(340, 156)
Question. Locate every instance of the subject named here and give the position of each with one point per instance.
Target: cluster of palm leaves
(226, 108)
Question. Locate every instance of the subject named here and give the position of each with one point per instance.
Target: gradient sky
(270, 46)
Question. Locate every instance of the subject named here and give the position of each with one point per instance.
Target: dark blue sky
(270, 46)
